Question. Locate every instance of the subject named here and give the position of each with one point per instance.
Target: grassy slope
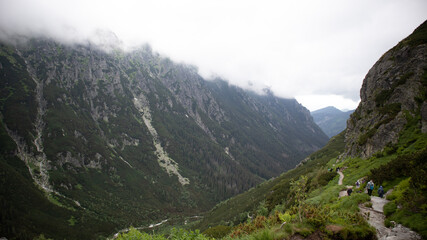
(326, 215)
(230, 211)
(341, 211)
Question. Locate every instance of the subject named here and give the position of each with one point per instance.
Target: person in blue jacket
(370, 187)
(381, 192)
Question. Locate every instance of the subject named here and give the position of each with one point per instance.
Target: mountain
(331, 120)
(93, 141)
(385, 141)
(392, 96)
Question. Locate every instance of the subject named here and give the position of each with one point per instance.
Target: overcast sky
(315, 51)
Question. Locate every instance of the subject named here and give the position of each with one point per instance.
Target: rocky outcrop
(393, 91)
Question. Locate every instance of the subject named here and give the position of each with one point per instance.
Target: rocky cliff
(130, 137)
(393, 96)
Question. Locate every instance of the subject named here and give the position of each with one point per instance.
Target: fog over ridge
(299, 50)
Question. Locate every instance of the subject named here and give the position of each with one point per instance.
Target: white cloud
(315, 102)
(298, 48)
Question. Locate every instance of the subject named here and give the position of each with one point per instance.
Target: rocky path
(341, 177)
(376, 218)
(342, 193)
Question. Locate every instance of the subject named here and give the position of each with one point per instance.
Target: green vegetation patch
(175, 234)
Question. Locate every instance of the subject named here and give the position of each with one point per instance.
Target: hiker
(349, 191)
(370, 187)
(381, 192)
(357, 184)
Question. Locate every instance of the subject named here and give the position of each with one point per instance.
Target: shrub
(134, 234)
(176, 234)
(264, 235)
(408, 165)
(400, 191)
(387, 223)
(286, 217)
(262, 209)
(42, 237)
(247, 228)
(316, 216)
(389, 208)
(324, 178)
(217, 231)
(181, 234)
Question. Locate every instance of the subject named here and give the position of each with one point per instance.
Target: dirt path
(341, 178)
(376, 218)
(342, 193)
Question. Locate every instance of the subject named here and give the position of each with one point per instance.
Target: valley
(115, 139)
(106, 143)
(385, 141)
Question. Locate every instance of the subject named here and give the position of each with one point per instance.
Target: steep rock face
(393, 92)
(132, 137)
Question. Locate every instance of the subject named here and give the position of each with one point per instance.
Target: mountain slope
(130, 138)
(385, 141)
(393, 93)
(331, 120)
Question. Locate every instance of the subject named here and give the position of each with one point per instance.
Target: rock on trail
(375, 217)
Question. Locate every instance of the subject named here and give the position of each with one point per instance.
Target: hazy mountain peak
(331, 120)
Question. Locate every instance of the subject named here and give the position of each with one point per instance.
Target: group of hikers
(370, 187)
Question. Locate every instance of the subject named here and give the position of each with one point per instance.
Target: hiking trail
(375, 218)
(342, 193)
(341, 177)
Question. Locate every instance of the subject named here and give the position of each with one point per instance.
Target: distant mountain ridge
(117, 138)
(331, 120)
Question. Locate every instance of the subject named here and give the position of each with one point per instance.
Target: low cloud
(303, 48)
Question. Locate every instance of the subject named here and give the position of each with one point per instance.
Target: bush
(247, 228)
(387, 223)
(389, 208)
(400, 191)
(316, 216)
(324, 178)
(134, 234)
(217, 231)
(408, 165)
(286, 217)
(176, 234)
(262, 209)
(181, 234)
(368, 205)
(263, 235)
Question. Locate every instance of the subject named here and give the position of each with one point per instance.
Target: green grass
(323, 189)
(389, 208)
(235, 210)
